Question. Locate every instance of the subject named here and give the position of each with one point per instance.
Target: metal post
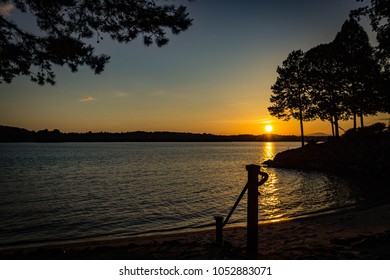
(218, 230)
(252, 212)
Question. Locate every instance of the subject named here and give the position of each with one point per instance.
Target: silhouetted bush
(366, 133)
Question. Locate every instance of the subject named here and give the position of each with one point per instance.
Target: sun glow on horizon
(268, 128)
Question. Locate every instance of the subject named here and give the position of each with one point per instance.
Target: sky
(216, 77)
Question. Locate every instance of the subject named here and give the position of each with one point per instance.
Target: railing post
(252, 211)
(218, 230)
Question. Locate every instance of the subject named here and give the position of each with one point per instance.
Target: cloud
(243, 103)
(87, 99)
(6, 8)
(158, 93)
(121, 94)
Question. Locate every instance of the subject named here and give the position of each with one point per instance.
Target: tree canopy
(66, 28)
(361, 71)
(336, 81)
(378, 11)
(326, 93)
(290, 93)
(346, 78)
(379, 14)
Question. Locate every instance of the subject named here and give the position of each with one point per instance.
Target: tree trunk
(302, 135)
(354, 121)
(301, 122)
(336, 125)
(332, 124)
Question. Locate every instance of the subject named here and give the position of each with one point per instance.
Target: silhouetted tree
(290, 92)
(360, 72)
(379, 14)
(343, 77)
(67, 26)
(326, 89)
(385, 92)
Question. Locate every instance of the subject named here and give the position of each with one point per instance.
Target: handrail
(235, 204)
(261, 182)
(252, 220)
(264, 179)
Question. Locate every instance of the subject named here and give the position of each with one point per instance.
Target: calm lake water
(61, 191)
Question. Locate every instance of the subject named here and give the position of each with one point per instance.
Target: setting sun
(268, 128)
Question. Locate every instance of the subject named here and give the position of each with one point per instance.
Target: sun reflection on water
(269, 150)
(270, 204)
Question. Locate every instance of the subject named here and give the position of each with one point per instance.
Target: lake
(72, 191)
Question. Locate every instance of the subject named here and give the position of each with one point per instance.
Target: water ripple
(83, 190)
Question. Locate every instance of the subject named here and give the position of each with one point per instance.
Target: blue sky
(215, 77)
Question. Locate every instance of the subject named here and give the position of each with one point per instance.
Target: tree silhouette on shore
(360, 71)
(336, 81)
(378, 13)
(290, 93)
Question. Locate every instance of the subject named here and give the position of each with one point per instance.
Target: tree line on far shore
(14, 134)
(341, 80)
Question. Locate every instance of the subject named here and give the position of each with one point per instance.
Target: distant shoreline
(14, 134)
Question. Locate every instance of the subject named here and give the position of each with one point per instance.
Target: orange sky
(213, 78)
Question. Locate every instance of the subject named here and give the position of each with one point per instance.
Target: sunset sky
(214, 78)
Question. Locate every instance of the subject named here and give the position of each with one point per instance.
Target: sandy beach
(362, 233)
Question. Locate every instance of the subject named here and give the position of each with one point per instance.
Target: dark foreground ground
(362, 233)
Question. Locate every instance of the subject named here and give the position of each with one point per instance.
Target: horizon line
(317, 134)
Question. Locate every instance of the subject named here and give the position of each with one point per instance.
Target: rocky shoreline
(362, 159)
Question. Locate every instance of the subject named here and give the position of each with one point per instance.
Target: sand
(362, 233)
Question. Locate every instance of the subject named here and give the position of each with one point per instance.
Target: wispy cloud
(121, 94)
(158, 93)
(6, 8)
(87, 99)
(243, 103)
(265, 120)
